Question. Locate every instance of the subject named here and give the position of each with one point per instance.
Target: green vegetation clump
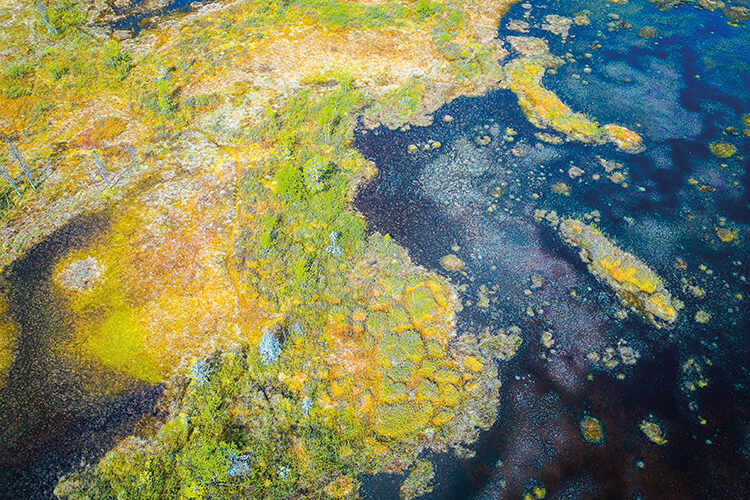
(235, 434)
(117, 60)
(17, 79)
(309, 229)
(65, 15)
(427, 8)
(339, 14)
(162, 97)
(401, 105)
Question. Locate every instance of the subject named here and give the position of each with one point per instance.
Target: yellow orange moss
(591, 430)
(8, 340)
(164, 295)
(722, 149)
(637, 286)
(623, 138)
(523, 76)
(653, 431)
(726, 234)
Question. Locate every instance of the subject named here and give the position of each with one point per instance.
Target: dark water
(50, 418)
(134, 22)
(480, 200)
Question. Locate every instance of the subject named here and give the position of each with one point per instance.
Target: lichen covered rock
(79, 274)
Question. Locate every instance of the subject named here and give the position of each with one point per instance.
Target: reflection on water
(676, 207)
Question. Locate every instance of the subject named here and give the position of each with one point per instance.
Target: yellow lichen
(340, 487)
(591, 430)
(637, 279)
(472, 364)
(543, 108)
(726, 235)
(624, 138)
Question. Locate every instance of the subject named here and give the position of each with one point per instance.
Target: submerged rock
(648, 32)
(557, 25)
(711, 5)
(736, 12)
(518, 25)
(80, 275)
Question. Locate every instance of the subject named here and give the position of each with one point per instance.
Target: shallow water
(480, 200)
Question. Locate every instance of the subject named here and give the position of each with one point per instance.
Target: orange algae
(633, 281)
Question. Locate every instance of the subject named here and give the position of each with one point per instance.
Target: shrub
(65, 15)
(427, 8)
(117, 60)
(290, 182)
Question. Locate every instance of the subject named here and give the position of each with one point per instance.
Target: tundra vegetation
(297, 352)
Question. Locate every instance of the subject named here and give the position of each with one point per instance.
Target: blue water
(134, 22)
(436, 202)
